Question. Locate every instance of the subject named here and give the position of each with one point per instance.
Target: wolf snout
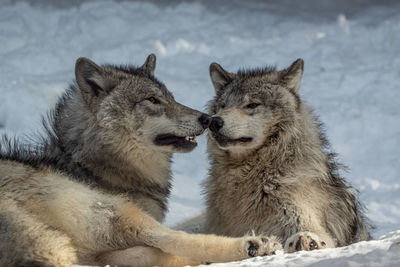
(205, 120)
(216, 124)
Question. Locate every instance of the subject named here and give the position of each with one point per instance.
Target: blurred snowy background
(352, 71)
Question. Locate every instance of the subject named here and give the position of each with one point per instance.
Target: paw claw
(252, 250)
(263, 246)
(313, 245)
(304, 241)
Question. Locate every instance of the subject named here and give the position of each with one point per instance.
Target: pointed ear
(90, 78)
(291, 77)
(150, 65)
(219, 76)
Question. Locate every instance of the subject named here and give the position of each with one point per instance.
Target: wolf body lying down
(94, 191)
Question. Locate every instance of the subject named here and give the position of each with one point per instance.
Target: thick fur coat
(94, 190)
(271, 167)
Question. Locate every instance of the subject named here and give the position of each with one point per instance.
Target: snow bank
(382, 252)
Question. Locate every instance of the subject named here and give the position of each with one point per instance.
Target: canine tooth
(187, 138)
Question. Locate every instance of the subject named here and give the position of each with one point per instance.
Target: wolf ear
(291, 77)
(219, 76)
(90, 78)
(150, 64)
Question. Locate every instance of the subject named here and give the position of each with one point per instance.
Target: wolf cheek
(176, 132)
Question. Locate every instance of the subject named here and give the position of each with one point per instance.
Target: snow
(383, 252)
(351, 79)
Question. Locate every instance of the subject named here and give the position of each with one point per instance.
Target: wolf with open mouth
(271, 169)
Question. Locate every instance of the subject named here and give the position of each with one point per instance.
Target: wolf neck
(124, 167)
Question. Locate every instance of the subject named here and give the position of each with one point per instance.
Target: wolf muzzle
(216, 124)
(205, 120)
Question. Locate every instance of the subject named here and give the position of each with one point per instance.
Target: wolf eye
(154, 100)
(222, 106)
(252, 105)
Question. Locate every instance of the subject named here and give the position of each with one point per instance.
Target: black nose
(205, 120)
(216, 124)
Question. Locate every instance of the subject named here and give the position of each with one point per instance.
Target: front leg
(100, 222)
(140, 256)
(306, 241)
(137, 227)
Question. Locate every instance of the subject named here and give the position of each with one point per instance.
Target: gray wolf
(271, 167)
(94, 189)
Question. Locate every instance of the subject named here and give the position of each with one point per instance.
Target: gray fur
(90, 184)
(285, 181)
(94, 190)
(97, 128)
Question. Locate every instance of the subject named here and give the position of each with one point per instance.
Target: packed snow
(352, 69)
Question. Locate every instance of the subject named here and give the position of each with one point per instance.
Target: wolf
(94, 189)
(272, 170)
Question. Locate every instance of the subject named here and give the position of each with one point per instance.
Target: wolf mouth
(188, 141)
(224, 140)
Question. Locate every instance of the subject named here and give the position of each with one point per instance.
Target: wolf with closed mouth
(95, 189)
(271, 169)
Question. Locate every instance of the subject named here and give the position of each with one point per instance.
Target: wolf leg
(25, 241)
(140, 256)
(98, 222)
(307, 241)
(199, 247)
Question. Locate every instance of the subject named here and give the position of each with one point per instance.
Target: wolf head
(128, 103)
(252, 106)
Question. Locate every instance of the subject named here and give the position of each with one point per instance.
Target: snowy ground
(352, 69)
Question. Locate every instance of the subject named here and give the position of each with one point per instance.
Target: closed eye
(252, 105)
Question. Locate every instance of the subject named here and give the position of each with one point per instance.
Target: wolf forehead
(116, 74)
(245, 81)
(247, 84)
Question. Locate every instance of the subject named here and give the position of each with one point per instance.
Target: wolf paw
(271, 245)
(304, 241)
(262, 246)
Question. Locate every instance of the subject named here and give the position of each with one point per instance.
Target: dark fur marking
(253, 249)
(298, 244)
(297, 99)
(255, 72)
(360, 223)
(313, 245)
(4, 225)
(95, 88)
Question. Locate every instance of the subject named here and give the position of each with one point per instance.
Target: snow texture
(351, 79)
